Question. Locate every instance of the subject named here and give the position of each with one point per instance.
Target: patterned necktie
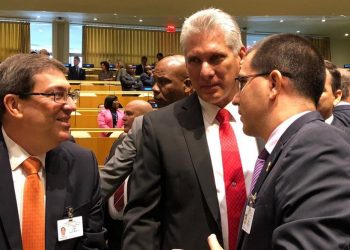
(258, 167)
(233, 176)
(119, 198)
(33, 221)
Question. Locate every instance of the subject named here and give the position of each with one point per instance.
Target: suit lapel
(191, 120)
(274, 156)
(9, 221)
(56, 168)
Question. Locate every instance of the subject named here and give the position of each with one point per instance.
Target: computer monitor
(347, 66)
(88, 65)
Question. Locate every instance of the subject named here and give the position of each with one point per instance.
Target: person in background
(75, 72)
(46, 181)
(111, 116)
(341, 112)
(44, 52)
(114, 207)
(194, 168)
(105, 74)
(159, 57)
(141, 68)
(121, 70)
(147, 77)
(129, 81)
(331, 94)
(172, 84)
(301, 198)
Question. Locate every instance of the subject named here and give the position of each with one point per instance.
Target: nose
(70, 105)
(155, 89)
(207, 70)
(235, 100)
(124, 118)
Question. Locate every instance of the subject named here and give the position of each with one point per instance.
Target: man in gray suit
(171, 84)
(301, 199)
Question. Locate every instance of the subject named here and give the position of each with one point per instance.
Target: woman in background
(105, 74)
(110, 116)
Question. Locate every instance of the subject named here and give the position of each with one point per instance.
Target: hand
(214, 243)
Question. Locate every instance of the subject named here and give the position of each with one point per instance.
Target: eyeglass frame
(252, 76)
(74, 95)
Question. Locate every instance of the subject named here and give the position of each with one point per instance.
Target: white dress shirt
(17, 155)
(248, 151)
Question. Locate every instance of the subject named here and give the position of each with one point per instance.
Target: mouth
(64, 121)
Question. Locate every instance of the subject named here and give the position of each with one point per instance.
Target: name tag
(248, 219)
(70, 228)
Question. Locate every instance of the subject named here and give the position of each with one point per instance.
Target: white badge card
(248, 219)
(70, 228)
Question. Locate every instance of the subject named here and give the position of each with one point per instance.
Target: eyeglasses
(242, 81)
(59, 96)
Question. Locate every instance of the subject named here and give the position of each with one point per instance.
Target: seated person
(75, 72)
(121, 70)
(147, 78)
(128, 81)
(105, 74)
(111, 116)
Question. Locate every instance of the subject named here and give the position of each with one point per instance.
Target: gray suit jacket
(72, 180)
(118, 168)
(303, 192)
(341, 115)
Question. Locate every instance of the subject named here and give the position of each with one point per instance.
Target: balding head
(133, 109)
(171, 80)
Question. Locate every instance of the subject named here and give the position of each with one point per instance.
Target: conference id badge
(248, 219)
(70, 228)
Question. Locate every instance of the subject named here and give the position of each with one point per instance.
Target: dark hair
(77, 58)
(336, 77)
(144, 58)
(106, 64)
(109, 101)
(160, 54)
(17, 72)
(297, 56)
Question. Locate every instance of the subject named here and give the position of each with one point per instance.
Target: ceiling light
(323, 20)
(140, 20)
(134, 16)
(298, 31)
(38, 17)
(281, 21)
(95, 19)
(115, 14)
(342, 15)
(346, 34)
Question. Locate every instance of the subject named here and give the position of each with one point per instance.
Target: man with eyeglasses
(301, 198)
(46, 182)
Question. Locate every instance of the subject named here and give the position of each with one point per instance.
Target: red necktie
(33, 220)
(233, 176)
(119, 198)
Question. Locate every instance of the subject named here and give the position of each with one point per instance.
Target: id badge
(70, 228)
(248, 219)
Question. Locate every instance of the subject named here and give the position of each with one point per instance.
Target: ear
(242, 51)
(13, 105)
(276, 84)
(188, 86)
(338, 94)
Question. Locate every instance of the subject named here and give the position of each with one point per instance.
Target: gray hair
(209, 20)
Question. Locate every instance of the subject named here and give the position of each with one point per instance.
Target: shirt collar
(210, 111)
(17, 154)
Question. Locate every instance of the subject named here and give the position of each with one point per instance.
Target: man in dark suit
(75, 72)
(35, 109)
(331, 94)
(177, 196)
(141, 68)
(302, 196)
(341, 112)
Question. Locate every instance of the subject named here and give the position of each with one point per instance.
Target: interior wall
(340, 51)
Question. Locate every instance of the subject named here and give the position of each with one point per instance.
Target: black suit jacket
(173, 200)
(341, 115)
(74, 75)
(139, 69)
(72, 180)
(303, 192)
